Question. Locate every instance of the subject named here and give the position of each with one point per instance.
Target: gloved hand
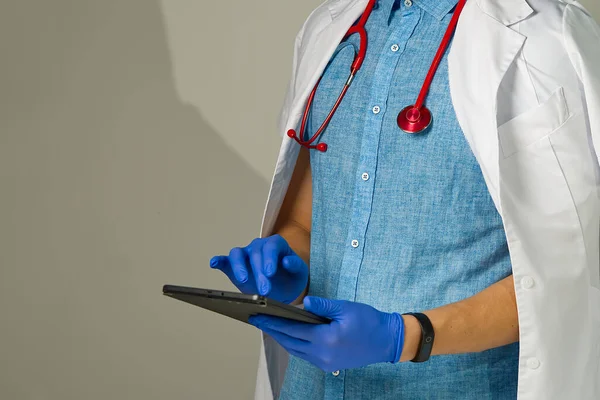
(268, 267)
(358, 335)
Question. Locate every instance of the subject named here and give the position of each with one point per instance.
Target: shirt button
(376, 110)
(408, 3)
(355, 243)
(335, 373)
(395, 48)
(527, 282)
(533, 363)
(365, 176)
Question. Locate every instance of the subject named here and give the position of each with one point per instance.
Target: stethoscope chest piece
(414, 120)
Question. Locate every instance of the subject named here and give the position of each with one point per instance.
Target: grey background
(137, 139)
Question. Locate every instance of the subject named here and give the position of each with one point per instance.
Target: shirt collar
(437, 8)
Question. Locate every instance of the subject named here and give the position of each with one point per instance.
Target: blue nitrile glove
(358, 335)
(268, 267)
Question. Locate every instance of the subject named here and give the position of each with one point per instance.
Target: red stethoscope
(412, 119)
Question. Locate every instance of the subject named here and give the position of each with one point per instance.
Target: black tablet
(240, 306)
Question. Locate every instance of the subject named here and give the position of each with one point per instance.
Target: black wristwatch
(427, 336)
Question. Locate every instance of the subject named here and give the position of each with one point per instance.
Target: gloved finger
(274, 249)
(293, 264)
(222, 263)
(239, 264)
(324, 307)
(217, 262)
(254, 251)
(297, 330)
(298, 348)
(289, 343)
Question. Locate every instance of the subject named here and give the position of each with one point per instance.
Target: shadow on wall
(112, 187)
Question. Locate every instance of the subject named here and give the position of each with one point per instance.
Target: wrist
(396, 330)
(412, 338)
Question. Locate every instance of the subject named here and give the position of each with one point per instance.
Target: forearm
(299, 240)
(484, 321)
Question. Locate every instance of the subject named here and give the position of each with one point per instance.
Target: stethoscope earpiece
(322, 147)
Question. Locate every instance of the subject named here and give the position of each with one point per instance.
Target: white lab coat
(525, 84)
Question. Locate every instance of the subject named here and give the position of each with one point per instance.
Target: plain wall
(594, 7)
(137, 139)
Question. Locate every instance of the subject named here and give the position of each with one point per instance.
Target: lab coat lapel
(319, 46)
(483, 48)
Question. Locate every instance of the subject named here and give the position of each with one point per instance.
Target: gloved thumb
(323, 307)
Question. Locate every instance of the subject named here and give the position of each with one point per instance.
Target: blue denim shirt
(401, 222)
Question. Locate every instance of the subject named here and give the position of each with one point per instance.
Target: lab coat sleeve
(582, 41)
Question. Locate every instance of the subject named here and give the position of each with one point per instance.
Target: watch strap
(427, 337)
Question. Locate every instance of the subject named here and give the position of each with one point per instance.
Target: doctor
(457, 256)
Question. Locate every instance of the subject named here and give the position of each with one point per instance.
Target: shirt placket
(366, 171)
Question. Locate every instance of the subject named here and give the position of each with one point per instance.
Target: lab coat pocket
(534, 124)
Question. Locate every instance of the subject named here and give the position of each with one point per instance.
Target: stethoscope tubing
(412, 119)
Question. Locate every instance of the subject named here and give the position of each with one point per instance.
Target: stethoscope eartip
(322, 147)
